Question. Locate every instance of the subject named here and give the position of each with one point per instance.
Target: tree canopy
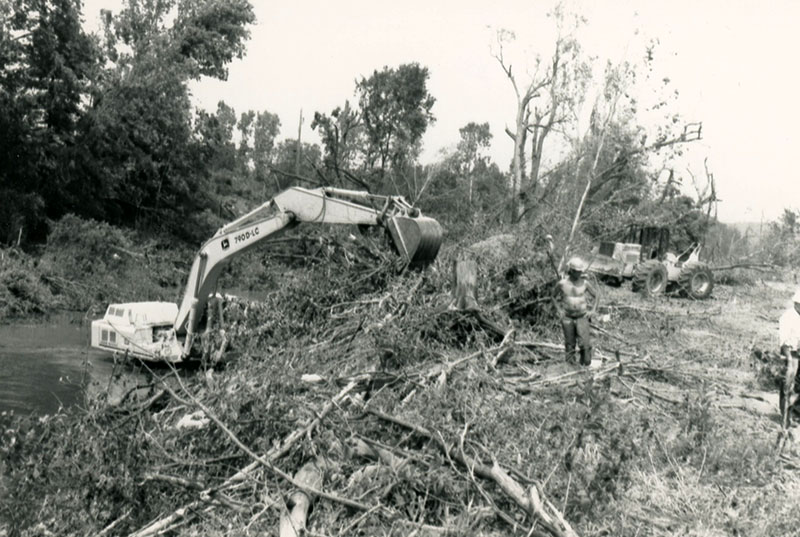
(380, 138)
(102, 126)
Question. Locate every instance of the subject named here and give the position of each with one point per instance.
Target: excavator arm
(417, 238)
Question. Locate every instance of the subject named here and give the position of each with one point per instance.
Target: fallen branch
(263, 461)
(275, 453)
(610, 334)
(762, 267)
(532, 501)
(165, 523)
(111, 526)
(174, 480)
(293, 521)
(560, 348)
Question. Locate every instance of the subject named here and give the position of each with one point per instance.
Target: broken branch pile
(359, 404)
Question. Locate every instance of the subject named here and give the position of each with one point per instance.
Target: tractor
(643, 258)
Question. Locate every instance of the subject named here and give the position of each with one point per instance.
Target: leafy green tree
(203, 37)
(244, 153)
(395, 109)
(475, 141)
(342, 135)
(464, 184)
(141, 155)
(139, 129)
(265, 130)
(781, 243)
(214, 137)
(214, 133)
(47, 63)
(209, 34)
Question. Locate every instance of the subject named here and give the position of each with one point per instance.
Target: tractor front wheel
(696, 281)
(650, 277)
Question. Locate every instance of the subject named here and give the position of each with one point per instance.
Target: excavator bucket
(416, 238)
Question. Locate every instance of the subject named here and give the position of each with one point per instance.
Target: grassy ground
(671, 432)
(719, 471)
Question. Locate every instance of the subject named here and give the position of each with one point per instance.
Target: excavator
(165, 332)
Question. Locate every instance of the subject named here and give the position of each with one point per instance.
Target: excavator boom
(416, 238)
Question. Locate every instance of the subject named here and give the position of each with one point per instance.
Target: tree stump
(465, 300)
(465, 285)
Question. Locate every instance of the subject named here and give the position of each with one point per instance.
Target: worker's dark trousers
(577, 332)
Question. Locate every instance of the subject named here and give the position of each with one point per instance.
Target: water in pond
(46, 366)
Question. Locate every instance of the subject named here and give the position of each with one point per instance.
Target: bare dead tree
(542, 104)
(519, 135)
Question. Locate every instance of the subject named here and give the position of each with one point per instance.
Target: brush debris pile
(357, 404)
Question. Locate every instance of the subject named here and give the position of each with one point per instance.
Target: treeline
(776, 243)
(101, 126)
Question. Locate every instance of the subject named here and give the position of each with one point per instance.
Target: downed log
(755, 266)
(377, 453)
(293, 520)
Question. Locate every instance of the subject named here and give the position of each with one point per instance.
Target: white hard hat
(796, 297)
(577, 264)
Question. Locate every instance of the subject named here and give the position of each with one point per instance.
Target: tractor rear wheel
(650, 277)
(696, 281)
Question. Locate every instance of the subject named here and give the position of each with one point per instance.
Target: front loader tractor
(643, 258)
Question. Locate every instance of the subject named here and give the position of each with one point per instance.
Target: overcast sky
(733, 63)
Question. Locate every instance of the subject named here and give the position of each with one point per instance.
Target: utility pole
(299, 148)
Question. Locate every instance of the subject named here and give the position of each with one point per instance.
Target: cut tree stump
(465, 299)
(465, 283)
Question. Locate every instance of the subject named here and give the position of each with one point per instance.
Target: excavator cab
(417, 238)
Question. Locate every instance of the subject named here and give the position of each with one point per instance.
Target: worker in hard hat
(574, 292)
(789, 332)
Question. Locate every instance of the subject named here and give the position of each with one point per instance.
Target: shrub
(90, 263)
(22, 293)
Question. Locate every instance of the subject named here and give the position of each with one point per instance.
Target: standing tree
(213, 134)
(139, 129)
(244, 153)
(381, 137)
(47, 64)
(395, 110)
(475, 140)
(342, 137)
(265, 130)
(545, 101)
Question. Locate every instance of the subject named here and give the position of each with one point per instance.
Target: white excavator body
(141, 330)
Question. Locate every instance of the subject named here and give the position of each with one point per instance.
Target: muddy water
(47, 366)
